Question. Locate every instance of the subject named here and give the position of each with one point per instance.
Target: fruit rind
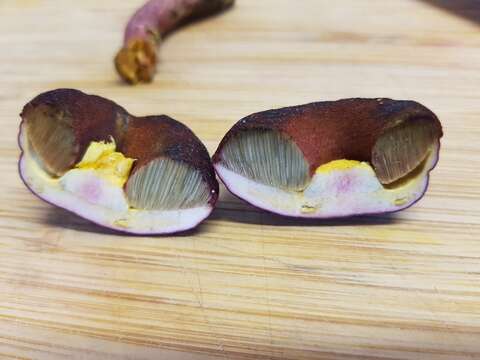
(337, 139)
(115, 125)
(127, 221)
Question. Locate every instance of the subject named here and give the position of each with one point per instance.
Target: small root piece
(136, 61)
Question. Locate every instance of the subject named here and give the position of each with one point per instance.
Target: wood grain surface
(246, 284)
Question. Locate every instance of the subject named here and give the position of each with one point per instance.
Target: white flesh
(93, 198)
(333, 193)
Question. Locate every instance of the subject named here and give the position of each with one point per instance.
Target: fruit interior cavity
(51, 137)
(401, 149)
(165, 184)
(267, 157)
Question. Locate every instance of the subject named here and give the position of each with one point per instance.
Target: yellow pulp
(108, 163)
(341, 165)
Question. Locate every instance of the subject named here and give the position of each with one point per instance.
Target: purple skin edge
(437, 157)
(124, 231)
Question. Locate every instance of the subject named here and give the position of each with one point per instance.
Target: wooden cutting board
(246, 284)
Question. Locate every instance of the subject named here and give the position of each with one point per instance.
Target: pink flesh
(157, 17)
(345, 184)
(91, 190)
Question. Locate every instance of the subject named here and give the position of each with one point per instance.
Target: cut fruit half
(332, 159)
(83, 153)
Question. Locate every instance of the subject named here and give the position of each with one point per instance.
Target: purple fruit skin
(125, 231)
(434, 164)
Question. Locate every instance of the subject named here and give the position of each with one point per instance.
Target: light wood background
(247, 284)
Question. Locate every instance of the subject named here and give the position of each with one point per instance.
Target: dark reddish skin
(94, 118)
(332, 130)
